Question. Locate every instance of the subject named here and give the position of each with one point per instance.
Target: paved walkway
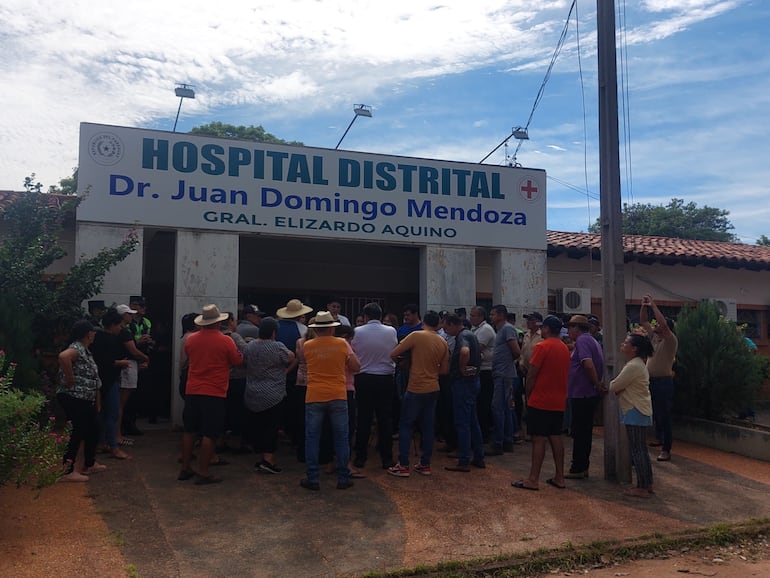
(266, 525)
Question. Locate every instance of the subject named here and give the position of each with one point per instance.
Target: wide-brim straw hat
(210, 315)
(579, 321)
(324, 319)
(294, 308)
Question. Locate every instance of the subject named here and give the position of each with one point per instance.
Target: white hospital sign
(172, 180)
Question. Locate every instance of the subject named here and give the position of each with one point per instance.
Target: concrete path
(256, 524)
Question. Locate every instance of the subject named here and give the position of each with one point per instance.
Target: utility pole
(617, 460)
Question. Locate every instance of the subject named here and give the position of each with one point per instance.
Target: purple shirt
(586, 347)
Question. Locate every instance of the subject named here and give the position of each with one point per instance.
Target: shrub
(30, 450)
(716, 373)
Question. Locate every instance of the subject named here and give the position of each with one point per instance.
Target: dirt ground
(60, 533)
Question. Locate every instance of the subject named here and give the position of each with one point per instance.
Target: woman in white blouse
(632, 386)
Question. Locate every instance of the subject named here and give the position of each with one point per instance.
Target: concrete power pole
(617, 461)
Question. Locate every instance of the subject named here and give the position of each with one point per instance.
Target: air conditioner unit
(728, 307)
(574, 300)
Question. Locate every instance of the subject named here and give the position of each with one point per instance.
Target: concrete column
(520, 281)
(206, 271)
(125, 278)
(447, 278)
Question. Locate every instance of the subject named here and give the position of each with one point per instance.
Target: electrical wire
(541, 91)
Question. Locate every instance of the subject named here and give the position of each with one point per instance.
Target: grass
(131, 571)
(596, 554)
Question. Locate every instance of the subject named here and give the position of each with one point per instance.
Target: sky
(445, 80)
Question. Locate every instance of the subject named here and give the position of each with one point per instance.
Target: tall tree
(764, 241)
(676, 219)
(255, 133)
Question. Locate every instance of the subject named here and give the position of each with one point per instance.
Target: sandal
(119, 454)
(126, 442)
(206, 480)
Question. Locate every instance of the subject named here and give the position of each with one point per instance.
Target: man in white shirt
(486, 336)
(374, 384)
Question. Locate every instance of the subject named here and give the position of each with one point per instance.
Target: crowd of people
(472, 386)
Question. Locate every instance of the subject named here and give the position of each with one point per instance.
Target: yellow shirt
(633, 387)
(326, 358)
(429, 351)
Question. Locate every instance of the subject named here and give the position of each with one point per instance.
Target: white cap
(123, 309)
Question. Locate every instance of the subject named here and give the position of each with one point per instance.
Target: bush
(716, 373)
(30, 450)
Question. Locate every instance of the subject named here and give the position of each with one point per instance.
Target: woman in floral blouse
(77, 394)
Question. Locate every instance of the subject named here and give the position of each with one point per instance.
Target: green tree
(716, 374)
(255, 133)
(36, 308)
(764, 241)
(67, 185)
(677, 220)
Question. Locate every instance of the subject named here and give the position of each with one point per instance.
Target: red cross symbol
(529, 188)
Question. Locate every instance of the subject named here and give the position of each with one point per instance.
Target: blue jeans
(109, 414)
(662, 392)
(416, 406)
(465, 390)
(503, 419)
(337, 411)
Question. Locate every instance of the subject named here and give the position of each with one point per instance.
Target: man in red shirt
(546, 401)
(210, 354)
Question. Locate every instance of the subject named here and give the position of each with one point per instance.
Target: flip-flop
(357, 475)
(520, 484)
(552, 482)
(206, 480)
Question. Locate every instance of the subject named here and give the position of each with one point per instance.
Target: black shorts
(204, 415)
(542, 422)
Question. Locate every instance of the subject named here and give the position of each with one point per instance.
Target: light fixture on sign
(182, 91)
(359, 110)
(520, 133)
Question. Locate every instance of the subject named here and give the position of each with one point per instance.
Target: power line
(541, 91)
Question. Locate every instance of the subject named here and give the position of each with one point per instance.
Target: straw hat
(210, 315)
(324, 319)
(294, 308)
(579, 321)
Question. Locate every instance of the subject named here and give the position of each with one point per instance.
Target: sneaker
(481, 464)
(508, 447)
(265, 466)
(576, 475)
(421, 469)
(458, 468)
(399, 471)
(345, 485)
(308, 485)
(494, 451)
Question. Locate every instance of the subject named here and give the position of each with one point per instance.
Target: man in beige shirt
(430, 358)
(661, 369)
(531, 338)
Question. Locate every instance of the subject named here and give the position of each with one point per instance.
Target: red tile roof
(665, 250)
(54, 200)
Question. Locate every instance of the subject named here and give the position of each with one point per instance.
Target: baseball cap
(123, 309)
(253, 309)
(553, 323)
(534, 315)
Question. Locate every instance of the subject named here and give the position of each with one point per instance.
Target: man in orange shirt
(327, 359)
(210, 354)
(546, 401)
(429, 359)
